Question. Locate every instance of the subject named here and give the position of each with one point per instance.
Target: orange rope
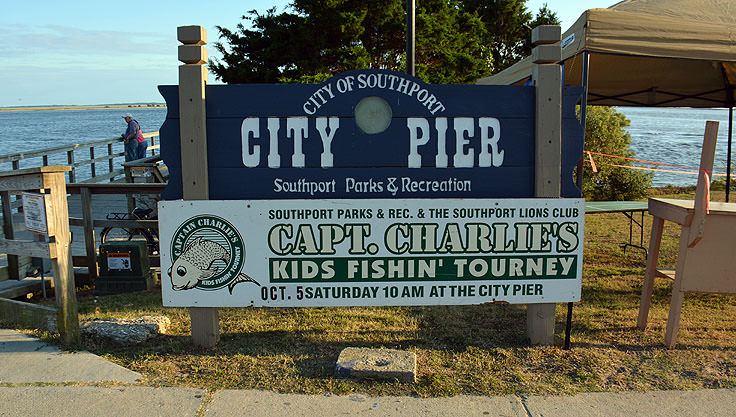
(706, 194)
(661, 170)
(696, 170)
(641, 160)
(592, 163)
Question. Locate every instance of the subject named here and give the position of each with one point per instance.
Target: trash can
(124, 267)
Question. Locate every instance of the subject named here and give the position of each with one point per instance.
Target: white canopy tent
(652, 53)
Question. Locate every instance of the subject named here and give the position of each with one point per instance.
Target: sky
(81, 52)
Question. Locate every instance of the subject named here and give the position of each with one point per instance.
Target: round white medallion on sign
(373, 115)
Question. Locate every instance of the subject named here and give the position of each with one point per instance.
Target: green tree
(316, 39)
(605, 133)
(266, 53)
(508, 26)
(449, 44)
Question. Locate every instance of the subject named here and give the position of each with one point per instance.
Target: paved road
(39, 380)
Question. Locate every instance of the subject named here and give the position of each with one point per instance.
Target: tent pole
(583, 114)
(579, 179)
(729, 104)
(410, 36)
(728, 157)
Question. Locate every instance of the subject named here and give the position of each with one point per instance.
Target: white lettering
(296, 127)
(322, 125)
(274, 159)
(250, 126)
(415, 124)
(462, 159)
(440, 160)
(492, 156)
(328, 88)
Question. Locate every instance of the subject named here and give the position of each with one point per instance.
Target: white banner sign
(300, 253)
(34, 212)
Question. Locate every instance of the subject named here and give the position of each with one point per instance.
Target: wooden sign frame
(198, 134)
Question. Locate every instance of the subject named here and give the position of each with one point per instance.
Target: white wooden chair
(706, 261)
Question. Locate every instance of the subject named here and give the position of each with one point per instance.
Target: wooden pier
(116, 189)
(90, 161)
(47, 205)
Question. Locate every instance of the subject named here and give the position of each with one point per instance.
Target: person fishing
(135, 143)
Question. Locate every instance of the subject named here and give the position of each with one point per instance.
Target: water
(666, 135)
(675, 136)
(36, 130)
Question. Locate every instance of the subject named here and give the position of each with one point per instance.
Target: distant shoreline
(110, 106)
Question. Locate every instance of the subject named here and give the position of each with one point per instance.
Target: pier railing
(98, 156)
(46, 187)
(96, 181)
(89, 223)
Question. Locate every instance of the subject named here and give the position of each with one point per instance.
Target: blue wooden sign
(370, 134)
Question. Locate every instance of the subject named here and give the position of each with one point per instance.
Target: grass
(460, 349)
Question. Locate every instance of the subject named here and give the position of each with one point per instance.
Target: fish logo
(208, 253)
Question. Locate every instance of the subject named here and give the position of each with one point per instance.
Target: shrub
(605, 133)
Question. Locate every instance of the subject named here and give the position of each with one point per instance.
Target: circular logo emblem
(207, 253)
(373, 115)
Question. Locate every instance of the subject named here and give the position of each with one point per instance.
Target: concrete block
(26, 359)
(192, 54)
(385, 364)
(28, 315)
(546, 34)
(118, 401)
(126, 331)
(717, 402)
(542, 54)
(191, 35)
(227, 403)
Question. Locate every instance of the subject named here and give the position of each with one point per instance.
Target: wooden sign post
(193, 127)
(546, 77)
